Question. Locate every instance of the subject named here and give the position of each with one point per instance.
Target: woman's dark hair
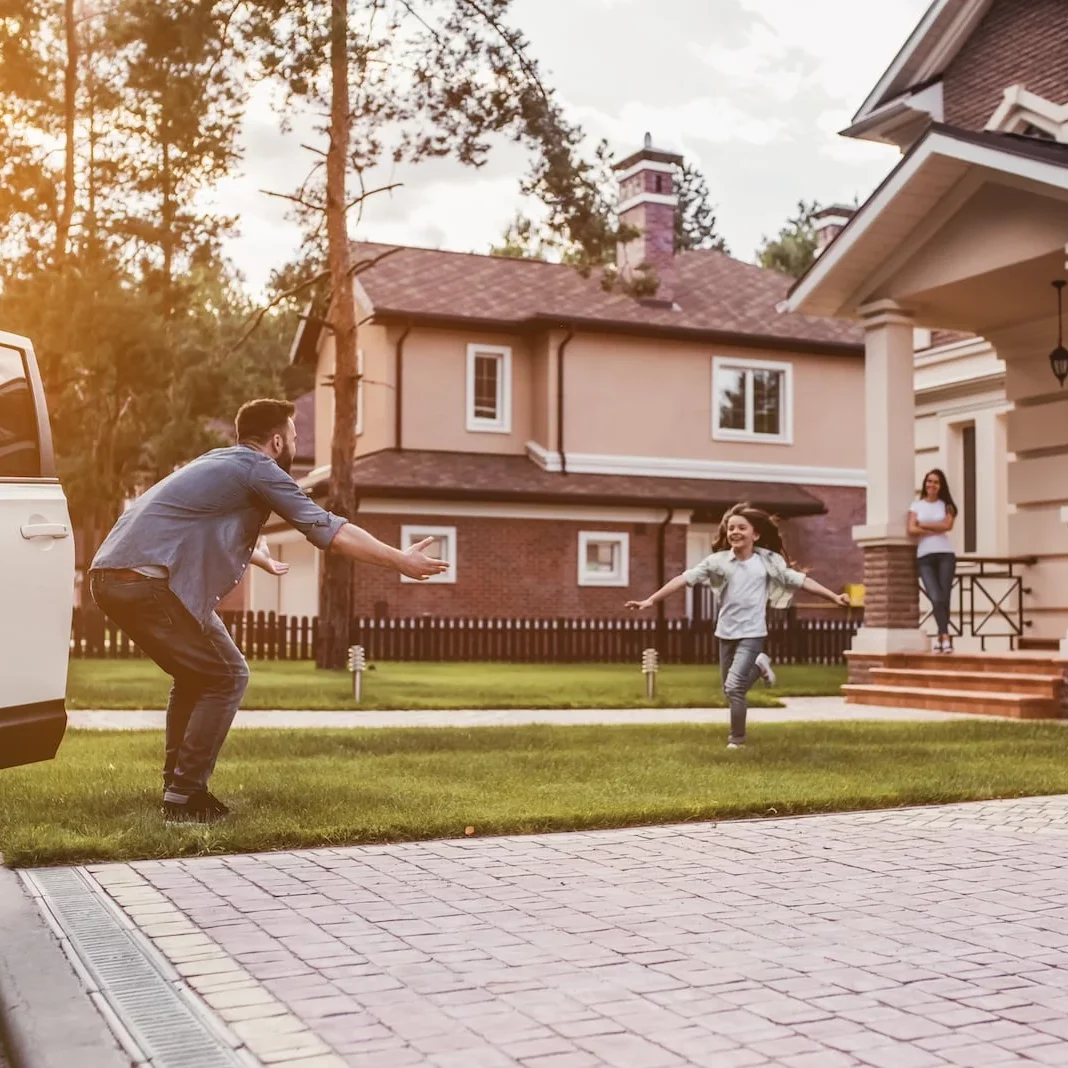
(943, 489)
(766, 526)
(259, 420)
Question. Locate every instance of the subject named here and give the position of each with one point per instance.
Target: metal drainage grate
(163, 1025)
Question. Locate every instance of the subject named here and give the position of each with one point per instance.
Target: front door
(699, 540)
(36, 567)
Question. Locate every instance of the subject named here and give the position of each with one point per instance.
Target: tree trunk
(70, 90)
(335, 595)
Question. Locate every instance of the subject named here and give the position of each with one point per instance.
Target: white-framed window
(442, 548)
(489, 388)
(359, 392)
(603, 558)
(752, 400)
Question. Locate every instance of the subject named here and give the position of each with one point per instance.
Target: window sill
(752, 438)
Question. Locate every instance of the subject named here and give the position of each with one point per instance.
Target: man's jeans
(737, 665)
(210, 674)
(936, 573)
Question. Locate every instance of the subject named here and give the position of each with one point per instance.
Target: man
(180, 548)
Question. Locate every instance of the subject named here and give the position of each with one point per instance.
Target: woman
(930, 519)
(748, 577)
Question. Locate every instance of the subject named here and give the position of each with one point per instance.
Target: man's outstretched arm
(354, 542)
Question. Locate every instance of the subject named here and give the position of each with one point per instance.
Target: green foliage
(794, 250)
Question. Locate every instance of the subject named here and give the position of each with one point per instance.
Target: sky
(753, 92)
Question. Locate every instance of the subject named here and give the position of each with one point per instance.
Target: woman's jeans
(737, 665)
(936, 573)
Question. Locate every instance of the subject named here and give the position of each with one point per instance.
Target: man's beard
(285, 460)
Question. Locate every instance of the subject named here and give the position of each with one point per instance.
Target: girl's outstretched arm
(677, 583)
(813, 586)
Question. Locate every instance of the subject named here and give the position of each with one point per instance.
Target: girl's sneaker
(938, 646)
(763, 663)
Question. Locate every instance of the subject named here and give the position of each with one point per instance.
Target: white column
(891, 597)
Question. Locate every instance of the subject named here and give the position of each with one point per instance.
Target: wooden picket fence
(265, 636)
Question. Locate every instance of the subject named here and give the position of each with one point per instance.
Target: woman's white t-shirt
(931, 512)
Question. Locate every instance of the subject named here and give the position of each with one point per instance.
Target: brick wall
(823, 544)
(517, 567)
(1021, 42)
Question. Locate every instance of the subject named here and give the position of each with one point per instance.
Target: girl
(747, 576)
(930, 519)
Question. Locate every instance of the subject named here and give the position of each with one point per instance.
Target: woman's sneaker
(735, 745)
(763, 663)
(201, 807)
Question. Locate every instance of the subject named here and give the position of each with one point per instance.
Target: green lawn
(98, 800)
(119, 684)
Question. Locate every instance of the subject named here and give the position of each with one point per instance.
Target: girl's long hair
(943, 489)
(766, 526)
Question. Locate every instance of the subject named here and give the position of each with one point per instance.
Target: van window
(20, 455)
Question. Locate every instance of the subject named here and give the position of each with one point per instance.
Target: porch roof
(458, 476)
(898, 214)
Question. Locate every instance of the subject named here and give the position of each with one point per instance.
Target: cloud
(764, 64)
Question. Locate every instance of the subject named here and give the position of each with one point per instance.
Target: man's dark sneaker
(201, 807)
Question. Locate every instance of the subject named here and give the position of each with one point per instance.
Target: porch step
(1038, 645)
(1046, 685)
(973, 663)
(977, 702)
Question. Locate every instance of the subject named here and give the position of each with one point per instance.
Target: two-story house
(965, 241)
(569, 447)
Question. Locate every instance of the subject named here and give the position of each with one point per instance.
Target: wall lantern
(1058, 358)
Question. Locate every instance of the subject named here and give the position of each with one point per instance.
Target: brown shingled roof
(490, 477)
(715, 296)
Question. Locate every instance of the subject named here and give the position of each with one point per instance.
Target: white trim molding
(576, 513)
(669, 199)
(1019, 109)
(412, 533)
(620, 573)
(647, 165)
(502, 424)
(785, 435)
(588, 463)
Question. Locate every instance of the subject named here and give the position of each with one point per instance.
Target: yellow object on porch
(855, 592)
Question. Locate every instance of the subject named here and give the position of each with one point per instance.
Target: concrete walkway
(915, 938)
(797, 709)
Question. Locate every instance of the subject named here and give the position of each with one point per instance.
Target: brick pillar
(891, 595)
(891, 599)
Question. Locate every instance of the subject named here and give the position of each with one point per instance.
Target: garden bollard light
(357, 663)
(650, 666)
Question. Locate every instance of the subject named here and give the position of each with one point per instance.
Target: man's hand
(842, 600)
(417, 565)
(276, 567)
(637, 606)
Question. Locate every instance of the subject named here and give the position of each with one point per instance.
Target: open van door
(36, 567)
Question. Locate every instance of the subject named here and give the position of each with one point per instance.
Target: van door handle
(44, 530)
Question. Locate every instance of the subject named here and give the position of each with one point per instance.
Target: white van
(36, 567)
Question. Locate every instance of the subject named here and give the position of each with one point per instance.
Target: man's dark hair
(259, 420)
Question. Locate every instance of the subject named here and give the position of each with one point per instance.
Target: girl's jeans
(737, 665)
(936, 573)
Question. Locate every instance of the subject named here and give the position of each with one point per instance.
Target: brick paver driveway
(893, 939)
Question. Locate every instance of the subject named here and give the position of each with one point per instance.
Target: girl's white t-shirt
(743, 602)
(931, 512)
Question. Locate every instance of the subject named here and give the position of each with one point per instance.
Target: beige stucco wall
(652, 398)
(1037, 440)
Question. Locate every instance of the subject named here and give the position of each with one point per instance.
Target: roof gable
(931, 47)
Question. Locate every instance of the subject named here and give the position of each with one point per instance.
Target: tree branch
(256, 319)
(528, 68)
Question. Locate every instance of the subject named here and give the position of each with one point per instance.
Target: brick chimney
(829, 223)
(647, 202)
